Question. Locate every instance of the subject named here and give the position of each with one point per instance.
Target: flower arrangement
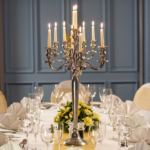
(85, 114)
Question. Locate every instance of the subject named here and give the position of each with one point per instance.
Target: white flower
(70, 115)
(66, 117)
(79, 106)
(68, 121)
(58, 117)
(88, 112)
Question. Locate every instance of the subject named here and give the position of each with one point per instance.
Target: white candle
(93, 31)
(49, 35)
(64, 31)
(102, 35)
(80, 40)
(74, 16)
(83, 31)
(55, 32)
(71, 45)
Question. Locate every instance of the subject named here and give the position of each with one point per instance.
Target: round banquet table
(47, 117)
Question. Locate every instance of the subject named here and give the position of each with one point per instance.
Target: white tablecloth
(47, 117)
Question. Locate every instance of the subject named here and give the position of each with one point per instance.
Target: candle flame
(83, 23)
(80, 29)
(75, 7)
(49, 26)
(101, 25)
(71, 26)
(64, 23)
(92, 23)
(55, 24)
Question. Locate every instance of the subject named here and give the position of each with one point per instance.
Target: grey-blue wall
(25, 36)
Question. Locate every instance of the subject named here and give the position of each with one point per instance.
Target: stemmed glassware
(40, 92)
(56, 93)
(92, 90)
(97, 133)
(61, 92)
(85, 91)
(47, 134)
(58, 132)
(102, 93)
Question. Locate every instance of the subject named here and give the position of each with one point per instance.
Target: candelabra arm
(101, 65)
(50, 65)
(55, 55)
(92, 54)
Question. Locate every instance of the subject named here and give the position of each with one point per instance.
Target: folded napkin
(116, 100)
(137, 120)
(140, 134)
(130, 107)
(140, 146)
(68, 97)
(17, 109)
(3, 139)
(10, 122)
(24, 101)
(10, 146)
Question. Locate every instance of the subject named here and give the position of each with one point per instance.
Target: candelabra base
(75, 140)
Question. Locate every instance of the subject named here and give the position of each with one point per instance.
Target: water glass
(40, 92)
(58, 132)
(102, 94)
(92, 90)
(56, 93)
(47, 134)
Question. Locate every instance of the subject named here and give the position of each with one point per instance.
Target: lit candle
(102, 35)
(83, 31)
(80, 40)
(74, 16)
(49, 35)
(93, 31)
(64, 31)
(71, 36)
(55, 32)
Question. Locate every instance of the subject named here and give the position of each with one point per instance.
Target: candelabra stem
(75, 139)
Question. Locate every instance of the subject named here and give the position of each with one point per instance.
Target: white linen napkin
(68, 97)
(130, 107)
(140, 146)
(24, 101)
(17, 109)
(3, 139)
(140, 134)
(10, 146)
(10, 122)
(138, 121)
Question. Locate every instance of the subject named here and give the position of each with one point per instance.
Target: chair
(3, 103)
(142, 97)
(66, 87)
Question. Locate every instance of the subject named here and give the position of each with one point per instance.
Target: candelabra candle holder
(75, 61)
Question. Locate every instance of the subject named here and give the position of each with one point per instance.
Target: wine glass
(47, 134)
(108, 103)
(97, 133)
(61, 92)
(85, 91)
(58, 131)
(56, 93)
(40, 92)
(92, 90)
(102, 93)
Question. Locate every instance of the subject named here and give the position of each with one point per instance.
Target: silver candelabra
(75, 61)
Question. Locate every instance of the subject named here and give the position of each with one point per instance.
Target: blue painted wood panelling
(146, 41)
(18, 25)
(123, 35)
(124, 89)
(16, 91)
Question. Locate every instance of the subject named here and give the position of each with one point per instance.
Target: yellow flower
(59, 113)
(78, 112)
(68, 108)
(54, 119)
(63, 113)
(88, 121)
(85, 110)
(66, 117)
(70, 115)
(98, 117)
(80, 102)
(71, 112)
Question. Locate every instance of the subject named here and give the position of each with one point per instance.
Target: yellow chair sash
(142, 98)
(3, 103)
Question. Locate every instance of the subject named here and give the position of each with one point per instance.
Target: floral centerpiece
(85, 114)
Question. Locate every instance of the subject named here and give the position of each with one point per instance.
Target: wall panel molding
(18, 49)
(123, 44)
(15, 91)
